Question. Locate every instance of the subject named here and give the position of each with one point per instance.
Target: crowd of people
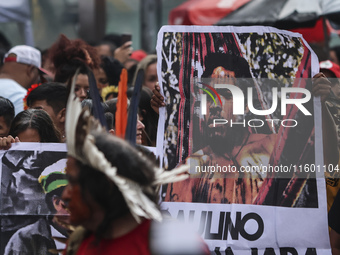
(112, 190)
(118, 202)
(30, 80)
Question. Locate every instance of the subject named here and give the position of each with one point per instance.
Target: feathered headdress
(81, 145)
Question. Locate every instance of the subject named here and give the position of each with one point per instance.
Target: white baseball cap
(25, 55)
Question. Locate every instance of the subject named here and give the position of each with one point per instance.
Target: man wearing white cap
(21, 68)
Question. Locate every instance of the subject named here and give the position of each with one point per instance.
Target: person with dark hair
(147, 116)
(52, 98)
(112, 193)
(108, 74)
(110, 119)
(140, 130)
(132, 64)
(66, 73)
(149, 66)
(34, 125)
(47, 64)
(106, 48)
(123, 49)
(101, 79)
(113, 38)
(112, 68)
(334, 54)
(82, 87)
(6, 116)
(68, 56)
(65, 50)
(36, 238)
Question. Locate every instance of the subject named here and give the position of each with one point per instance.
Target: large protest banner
(32, 180)
(240, 112)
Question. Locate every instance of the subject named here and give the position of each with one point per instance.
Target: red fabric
(313, 34)
(135, 242)
(138, 55)
(203, 12)
(10, 59)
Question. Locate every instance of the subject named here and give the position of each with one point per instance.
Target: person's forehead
(29, 135)
(36, 103)
(99, 71)
(152, 67)
(82, 80)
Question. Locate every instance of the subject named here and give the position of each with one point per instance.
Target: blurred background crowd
(45, 45)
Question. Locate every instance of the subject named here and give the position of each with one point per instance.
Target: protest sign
(32, 180)
(239, 111)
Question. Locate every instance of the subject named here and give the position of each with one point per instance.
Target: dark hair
(230, 62)
(148, 115)
(112, 68)
(69, 55)
(130, 164)
(111, 45)
(65, 72)
(233, 63)
(143, 65)
(6, 110)
(113, 38)
(54, 93)
(38, 120)
(64, 50)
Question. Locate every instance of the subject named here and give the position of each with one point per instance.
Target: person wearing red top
(134, 242)
(112, 194)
